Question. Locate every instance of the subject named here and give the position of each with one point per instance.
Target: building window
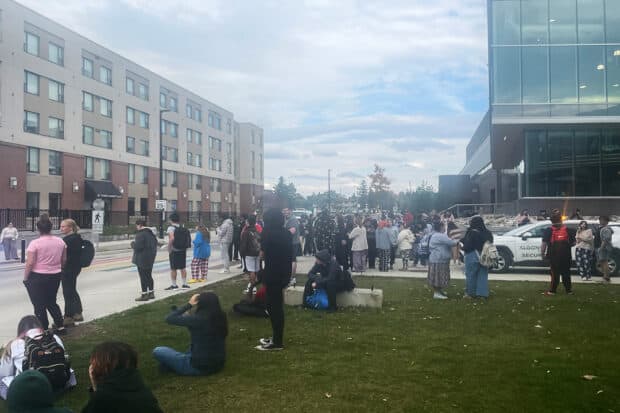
(198, 115)
(188, 111)
(174, 155)
(216, 185)
(56, 91)
(87, 101)
(253, 137)
(31, 84)
(131, 116)
(31, 122)
(215, 164)
(87, 68)
(173, 178)
(105, 75)
(145, 175)
(260, 165)
(88, 135)
(105, 107)
(143, 148)
(143, 91)
(218, 122)
(32, 200)
(55, 163)
(229, 167)
(173, 204)
(228, 126)
(105, 139)
(56, 128)
(131, 144)
(189, 158)
(131, 173)
(198, 137)
(31, 45)
(190, 206)
(173, 104)
(228, 148)
(105, 169)
(162, 100)
(32, 160)
(188, 135)
(210, 119)
(129, 86)
(144, 120)
(198, 160)
(90, 168)
(198, 206)
(56, 54)
(173, 129)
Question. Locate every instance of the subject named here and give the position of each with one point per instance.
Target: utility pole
(329, 190)
(161, 173)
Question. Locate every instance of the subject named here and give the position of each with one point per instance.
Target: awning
(100, 189)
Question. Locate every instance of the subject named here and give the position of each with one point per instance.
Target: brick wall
(13, 164)
(73, 167)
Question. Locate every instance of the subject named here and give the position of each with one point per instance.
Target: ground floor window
(561, 162)
(32, 200)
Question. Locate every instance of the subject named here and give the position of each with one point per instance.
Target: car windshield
(520, 230)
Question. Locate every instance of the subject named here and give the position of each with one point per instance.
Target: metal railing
(465, 210)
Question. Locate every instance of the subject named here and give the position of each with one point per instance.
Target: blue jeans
(178, 362)
(476, 276)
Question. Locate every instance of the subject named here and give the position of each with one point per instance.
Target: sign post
(98, 219)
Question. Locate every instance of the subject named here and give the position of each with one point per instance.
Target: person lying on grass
(208, 329)
(116, 383)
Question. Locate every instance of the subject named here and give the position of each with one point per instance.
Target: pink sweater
(48, 251)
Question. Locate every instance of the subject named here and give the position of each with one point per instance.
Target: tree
(286, 193)
(362, 194)
(380, 195)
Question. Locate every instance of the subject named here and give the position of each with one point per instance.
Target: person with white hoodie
(225, 236)
(405, 243)
(359, 246)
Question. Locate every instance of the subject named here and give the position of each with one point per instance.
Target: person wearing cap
(26, 385)
(328, 275)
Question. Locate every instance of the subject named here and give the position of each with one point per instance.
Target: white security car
(521, 246)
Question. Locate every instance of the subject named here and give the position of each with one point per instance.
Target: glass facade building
(553, 128)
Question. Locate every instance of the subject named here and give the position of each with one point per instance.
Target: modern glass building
(553, 129)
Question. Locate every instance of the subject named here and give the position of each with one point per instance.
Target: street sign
(98, 204)
(160, 204)
(97, 223)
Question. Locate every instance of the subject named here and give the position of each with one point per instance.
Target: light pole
(161, 172)
(329, 190)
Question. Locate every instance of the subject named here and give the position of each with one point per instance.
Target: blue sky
(336, 84)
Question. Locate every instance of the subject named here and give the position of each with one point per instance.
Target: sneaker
(269, 347)
(570, 293)
(185, 286)
(143, 297)
(224, 271)
(203, 279)
(589, 279)
(78, 317)
(583, 278)
(172, 287)
(439, 296)
(548, 293)
(68, 322)
(265, 341)
(60, 331)
(151, 295)
(194, 281)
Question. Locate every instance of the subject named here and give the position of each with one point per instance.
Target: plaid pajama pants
(200, 267)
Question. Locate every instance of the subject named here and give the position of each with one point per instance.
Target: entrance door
(55, 203)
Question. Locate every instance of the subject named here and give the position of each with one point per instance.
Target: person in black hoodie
(144, 253)
(208, 328)
(31, 391)
(117, 386)
(277, 254)
(70, 272)
(476, 275)
(328, 275)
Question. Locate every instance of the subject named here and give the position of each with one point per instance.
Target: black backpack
(43, 353)
(182, 239)
(87, 254)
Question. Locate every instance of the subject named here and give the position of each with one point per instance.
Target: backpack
(489, 255)
(253, 244)
(182, 239)
(43, 353)
(318, 300)
(87, 254)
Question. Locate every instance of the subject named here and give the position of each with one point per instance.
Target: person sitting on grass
(253, 305)
(11, 363)
(116, 383)
(32, 392)
(328, 275)
(208, 328)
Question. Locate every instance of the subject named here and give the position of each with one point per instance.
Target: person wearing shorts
(176, 257)
(249, 247)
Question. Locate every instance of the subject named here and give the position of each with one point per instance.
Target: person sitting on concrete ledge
(328, 275)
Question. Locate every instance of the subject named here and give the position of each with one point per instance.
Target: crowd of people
(267, 251)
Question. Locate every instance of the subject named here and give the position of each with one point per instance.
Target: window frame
(108, 72)
(57, 170)
(26, 43)
(26, 82)
(108, 105)
(29, 161)
(38, 126)
(60, 128)
(85, 73)
(128, 147)
(61, 91)
(61, 53)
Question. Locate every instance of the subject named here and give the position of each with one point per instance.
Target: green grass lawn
(517, 352)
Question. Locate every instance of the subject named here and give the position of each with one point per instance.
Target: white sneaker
(265, 341)
(224, 271)
(439, 296)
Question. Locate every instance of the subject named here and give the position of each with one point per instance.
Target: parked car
(521, 246)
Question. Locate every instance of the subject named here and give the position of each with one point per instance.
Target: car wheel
(503, 261)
